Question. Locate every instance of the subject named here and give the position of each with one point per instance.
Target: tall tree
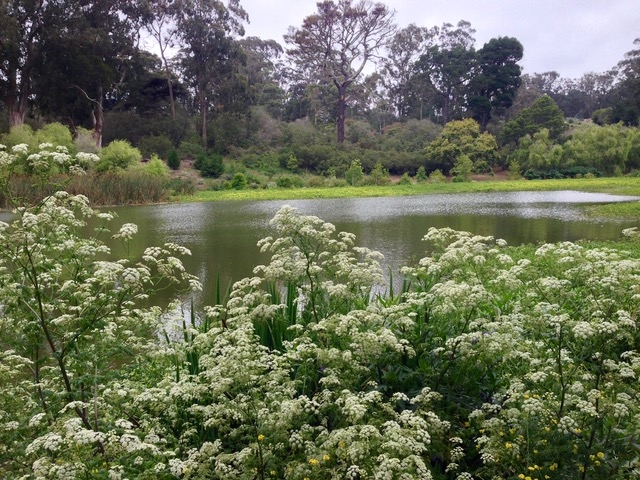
(22, 23)
(498, 79)
(447, 67)
(403, 51)
(206, 29)
(84, 60)
(335, 44)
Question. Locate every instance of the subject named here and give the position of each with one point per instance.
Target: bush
(239, 181)
(84, 141)
(56, 134)
(156, 168)
(437, 177)
(405, 179)
(354, 174)
(286, 181)
(209, 165)
(173, 159)
(118, 155)
(20, 134)
(155, 144)
(191, 148)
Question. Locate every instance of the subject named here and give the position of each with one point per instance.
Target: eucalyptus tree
(402, 52)
(447, 67)
(85, 59)
(22, 23)
(158, 21)
(263, 70)
(205, 31)
(626, 103)
(334, 45)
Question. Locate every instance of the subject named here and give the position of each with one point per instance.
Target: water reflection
(223, 235)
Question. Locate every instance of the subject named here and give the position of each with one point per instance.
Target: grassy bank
(617, 186)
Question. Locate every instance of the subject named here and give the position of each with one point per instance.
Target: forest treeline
(347, 84)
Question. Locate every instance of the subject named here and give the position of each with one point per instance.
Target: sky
(571, 37)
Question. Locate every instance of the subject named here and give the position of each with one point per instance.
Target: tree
(626, 102)
(264, 72)
(22, 24)
(447, 67)
(463, 137)
(543, 113)
(83, 63)
(403, 51)
(205, 29)
(335, 44)
(498, 80)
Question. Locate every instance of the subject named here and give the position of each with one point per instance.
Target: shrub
(20, 134)
(239, 181)
(209, 165)
(173, 159)
(84, 141)
(421, 174)
(286, 181)
(437, 177)
(155, 144)
(405, 179)
(378, 176)
(118, 155)
(156, 168)
(354, 174)
(191, 148)
(56, 134)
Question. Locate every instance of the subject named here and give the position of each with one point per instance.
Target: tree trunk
(342, 108)
(98, 119)
(203, 114)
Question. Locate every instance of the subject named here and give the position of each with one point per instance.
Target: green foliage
(56, 134)
(354, 173)
(378, 176)
(118, 155)
(462, 137)
(421, 174)
(437, 177)
(20, 134)
(239, 181)
(84, 141)
(156, 168)
(286, 181)
(605, 148)
(462, 169)
(515, 170)
(405, 179)
(544, 113)
(191, 148)
(159, 145)
(173, 159)
(209, 165)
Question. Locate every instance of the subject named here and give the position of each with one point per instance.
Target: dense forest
(347, 84)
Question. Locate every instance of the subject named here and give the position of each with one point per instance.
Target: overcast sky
(572, 37)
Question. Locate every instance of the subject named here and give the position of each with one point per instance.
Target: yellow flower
(521, 476)
(600, 455)
(314, 462)
(260, 438)
(508, 445)
(326, 457)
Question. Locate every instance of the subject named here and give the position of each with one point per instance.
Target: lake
(222, 236)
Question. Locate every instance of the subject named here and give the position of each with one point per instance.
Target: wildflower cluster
(493, 362)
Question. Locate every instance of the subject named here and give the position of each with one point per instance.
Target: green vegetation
(489, 362)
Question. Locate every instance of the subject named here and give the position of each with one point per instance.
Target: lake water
(222, 236)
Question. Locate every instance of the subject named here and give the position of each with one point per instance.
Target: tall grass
(121, 188)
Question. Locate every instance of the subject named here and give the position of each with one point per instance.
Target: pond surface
(222, 236)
